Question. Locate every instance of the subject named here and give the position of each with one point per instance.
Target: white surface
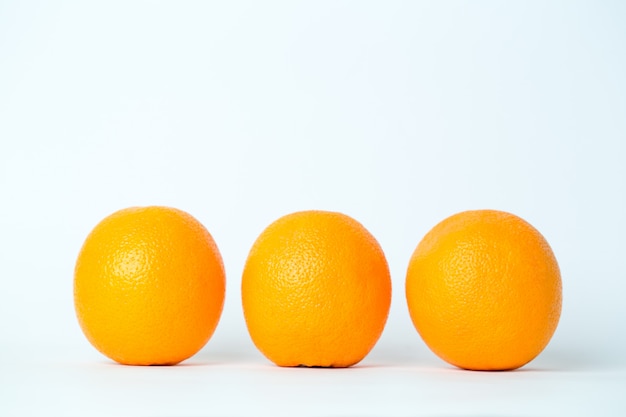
(396, 113)
(236, 385)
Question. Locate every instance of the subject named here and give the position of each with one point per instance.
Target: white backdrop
(396, 113)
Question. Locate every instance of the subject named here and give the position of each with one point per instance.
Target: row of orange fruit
(483, 289)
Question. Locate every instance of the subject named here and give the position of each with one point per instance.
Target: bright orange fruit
(316, 290)
(149, 286)
(484, 290)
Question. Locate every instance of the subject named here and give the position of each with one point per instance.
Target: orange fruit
(484, 290)
(149, 286)
(316, 290)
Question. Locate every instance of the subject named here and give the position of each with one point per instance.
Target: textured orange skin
(149, 286)
(484, 290)
(316, 290)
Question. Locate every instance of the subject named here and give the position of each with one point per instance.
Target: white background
(396, 113)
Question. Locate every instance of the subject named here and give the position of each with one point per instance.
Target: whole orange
(316, 290)
(484, 290)
(149, 286)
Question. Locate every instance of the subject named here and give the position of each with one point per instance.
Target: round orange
(484, 290)
(149, 286)
(316, 290)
